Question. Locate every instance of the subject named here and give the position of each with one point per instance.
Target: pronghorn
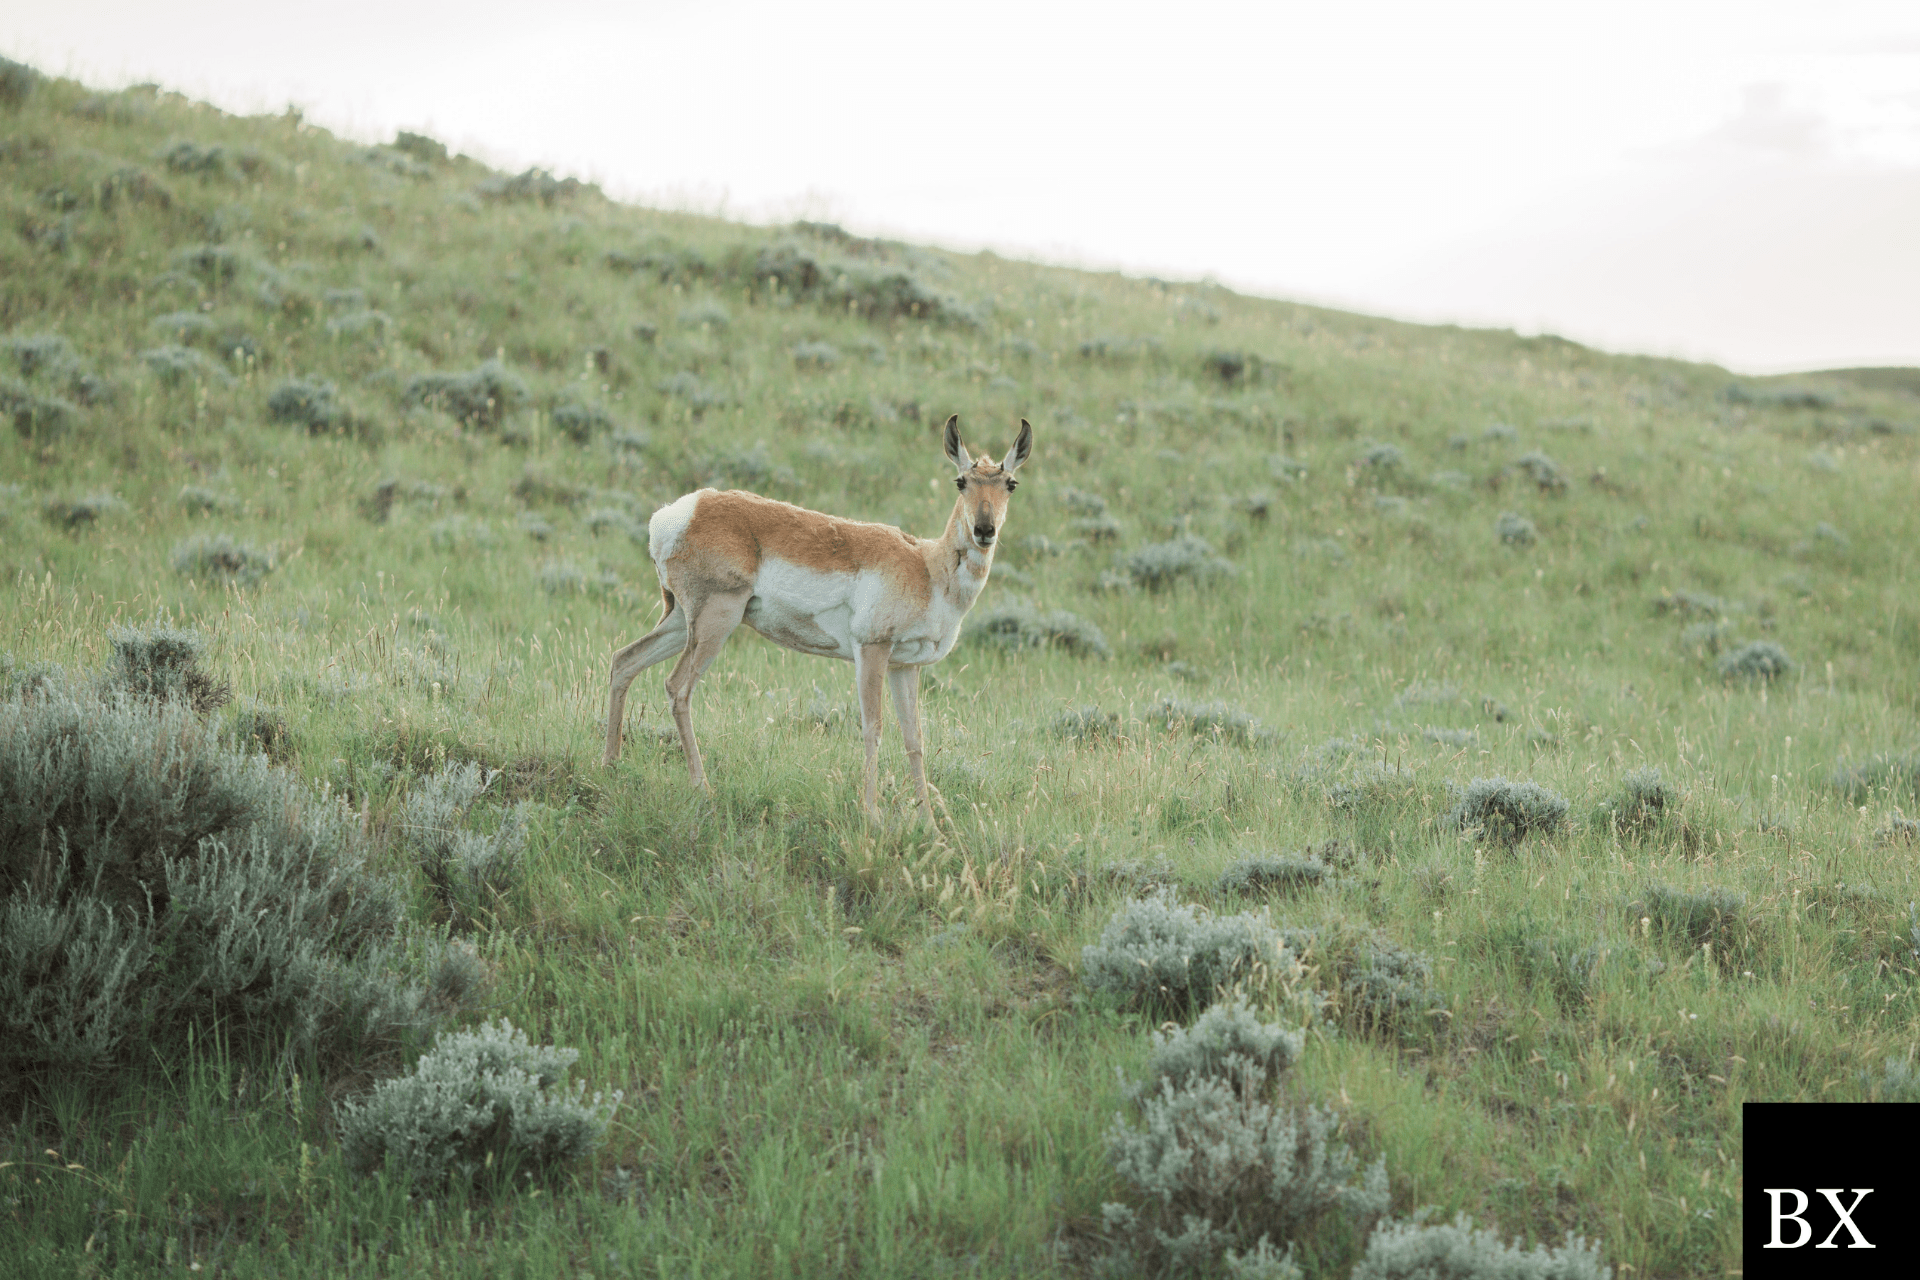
(884, 600)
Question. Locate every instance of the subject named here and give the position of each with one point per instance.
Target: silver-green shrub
(1228, 366)
(1761, 660)
(1262, 1262)
(1777, 397)
(1017, 627)
(1639, 807)
(1214, 721)
(1211, 1166)
(1899, 830)
(18, 679)
(420, 146)
(1227, 1041)
(467, 870)
(628, 445)
(856, 277)
(255, 726)
(1380, 985)
(218, 558)
(1886, 773)
(1542, 470)
(1158, 952)
(1389, 987)
(580, 422)
(183, 155)
(1423, 693)
(705, 313)
(1265, 874)
(175, 365)
(1374, 785)
(307, 402)
(1691, 604)
(481, 1106)
(1515, 529)
(361, 324)
(1506, 812)
(692, 388)
(1086, 724)
(1159, 566)
(83, 512)
(1899, 1081)
(1709, 915)
(1382, 457)
(459, 532)
(1704, 639)
(211, 264)
(1454, 738)
(161, 663)
(1416, 1250)
(156, 881)
(37, 353)
(1824, 537)
(616, 520)
(1080, 502)
(35, 415)
(533, 185)
(815, 355)
(1572, 965)
(559, 577)
(482, 396)
(1097, 528)
(199, 499)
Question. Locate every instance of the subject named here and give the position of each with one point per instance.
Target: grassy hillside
(387, 426)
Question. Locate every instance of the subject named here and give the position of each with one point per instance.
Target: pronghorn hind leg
(659, 644)
(905, 684)
(709, 623)
(870, 679)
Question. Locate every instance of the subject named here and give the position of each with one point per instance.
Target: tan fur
(731, 531)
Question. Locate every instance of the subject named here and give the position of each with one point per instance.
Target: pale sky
(1737, 182)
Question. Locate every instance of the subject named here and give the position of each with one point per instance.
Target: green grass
(860, 1051)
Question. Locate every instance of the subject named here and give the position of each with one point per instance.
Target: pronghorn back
(730, 536)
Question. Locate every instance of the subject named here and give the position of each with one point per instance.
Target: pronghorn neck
(966, 563)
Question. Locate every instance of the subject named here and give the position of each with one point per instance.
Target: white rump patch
(669, 525)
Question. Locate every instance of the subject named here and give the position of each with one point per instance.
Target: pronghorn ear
(1022, 446)
(957, 452)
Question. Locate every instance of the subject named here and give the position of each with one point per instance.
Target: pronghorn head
(984, 484)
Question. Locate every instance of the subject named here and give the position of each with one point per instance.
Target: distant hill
(1897, 378)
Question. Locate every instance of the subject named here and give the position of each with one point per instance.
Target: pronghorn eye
(1012, 485)
(960, 483)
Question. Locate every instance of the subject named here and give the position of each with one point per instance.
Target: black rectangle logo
(1829, 1189)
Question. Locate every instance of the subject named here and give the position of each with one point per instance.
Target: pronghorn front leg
(905, 684)
(870, 678)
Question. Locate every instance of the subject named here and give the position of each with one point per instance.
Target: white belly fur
(832, 614)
